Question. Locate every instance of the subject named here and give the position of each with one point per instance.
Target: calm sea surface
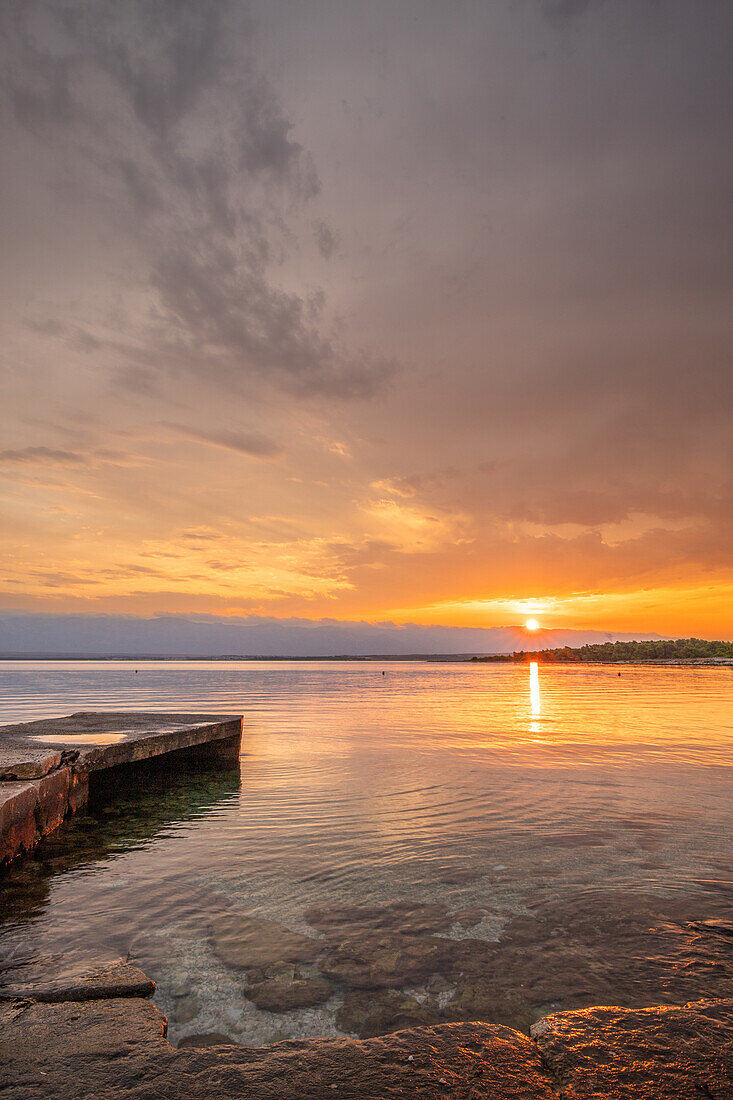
(525, 829)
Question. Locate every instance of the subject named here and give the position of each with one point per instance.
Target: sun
(532, 624)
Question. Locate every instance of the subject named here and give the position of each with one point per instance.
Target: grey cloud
(165, 56)
(247, 443)
(49, 457)
(49, 326)
(42, 456)
(326, 238)
(175, 87)
(266, 145)
(201, 536)
(145, 197)
(561, 12)
(221, 309)
(61, 579)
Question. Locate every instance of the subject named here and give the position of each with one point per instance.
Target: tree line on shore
(665, 649)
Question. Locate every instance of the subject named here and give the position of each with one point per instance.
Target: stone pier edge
(37, 795)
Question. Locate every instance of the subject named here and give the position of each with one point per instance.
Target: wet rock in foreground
(118, 979)
(667, 1053)
(117, 1048)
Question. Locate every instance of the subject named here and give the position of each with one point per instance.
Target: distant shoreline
(427, 658)
(699, 662)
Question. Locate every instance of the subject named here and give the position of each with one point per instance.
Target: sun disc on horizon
(532, 624)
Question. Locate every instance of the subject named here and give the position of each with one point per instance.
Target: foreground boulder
(117, 1049)
(667, 1053)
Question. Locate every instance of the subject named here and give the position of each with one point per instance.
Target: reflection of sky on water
(359, 788)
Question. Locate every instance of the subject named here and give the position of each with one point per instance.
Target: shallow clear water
(531, 797)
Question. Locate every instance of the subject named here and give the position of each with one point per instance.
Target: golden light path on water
(518, 793)
(534, 696)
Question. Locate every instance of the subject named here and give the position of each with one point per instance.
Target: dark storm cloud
(163, 102)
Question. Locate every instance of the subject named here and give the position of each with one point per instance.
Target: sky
(394, 312)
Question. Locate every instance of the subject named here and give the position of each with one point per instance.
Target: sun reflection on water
(535, 704)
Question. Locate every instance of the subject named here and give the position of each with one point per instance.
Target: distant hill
(672, 649)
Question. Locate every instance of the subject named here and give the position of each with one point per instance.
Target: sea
(458, 840)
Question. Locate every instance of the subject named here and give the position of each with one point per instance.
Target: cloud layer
(386, 311)
(253, 636)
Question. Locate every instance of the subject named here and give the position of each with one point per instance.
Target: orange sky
(390, 312)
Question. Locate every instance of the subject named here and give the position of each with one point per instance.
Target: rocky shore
(103, 1039)
(410, 1001)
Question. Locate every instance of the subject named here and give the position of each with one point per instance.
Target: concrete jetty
(46, 766)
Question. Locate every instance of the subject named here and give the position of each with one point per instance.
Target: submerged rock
(284, 996)
(606, 947)
(459, 876)
(404, 917)
(207, 1039)
(373, 961)
(179, 984)
(245, 941)
(368, 1013)
(479, 999)
(187, 1009)
(469, 918)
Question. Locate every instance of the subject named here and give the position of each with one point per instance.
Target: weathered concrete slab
(27, 763)
(45, 765)
(91, 740)
(666, 1053)
(117, 1048)
(18, 826)
(32, 809)
(117, 979)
